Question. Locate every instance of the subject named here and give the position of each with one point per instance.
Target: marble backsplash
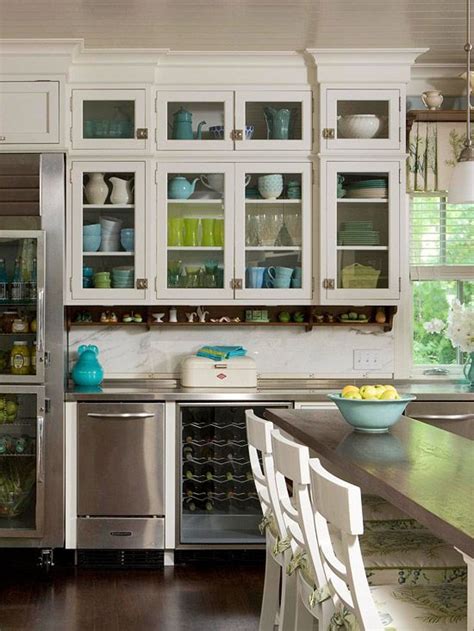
(327, 352)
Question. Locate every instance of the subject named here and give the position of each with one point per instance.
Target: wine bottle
(209, 506)
(209, 474)
(229, 476)
(189, 472)
(190, 505)
(188, 452)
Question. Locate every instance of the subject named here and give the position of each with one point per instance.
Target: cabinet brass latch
(329, 133)
(142, 133)
(328, 283)
(236, 283)
(142, 283)
(237, 134)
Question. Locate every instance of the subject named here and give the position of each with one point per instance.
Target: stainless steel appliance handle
(41, 321)
(444, 417)
(122, 415)
(40, 447)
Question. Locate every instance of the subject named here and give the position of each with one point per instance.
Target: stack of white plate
(110, 234)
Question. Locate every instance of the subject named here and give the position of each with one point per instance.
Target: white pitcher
(96, 189)
(122, 191)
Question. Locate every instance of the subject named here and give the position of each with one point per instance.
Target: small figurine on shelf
(190, 316)
(330, 318)
(137, 318)
(173, 314)
(127, 318)
(113, 317)
(319, 318)
(103, 317)
(298, 317)
(284, 316)
(158, 318)
(201, 314)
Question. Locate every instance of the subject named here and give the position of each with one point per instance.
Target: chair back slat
(259, 442)
(339, 503)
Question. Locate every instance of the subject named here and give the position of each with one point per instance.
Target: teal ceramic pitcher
(469, 370)
(181, 188)
(278, 123)
(183, 126)
(87, 371)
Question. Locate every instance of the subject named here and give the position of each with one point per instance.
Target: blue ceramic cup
(269, 277)
(296, 280)
(255, 277)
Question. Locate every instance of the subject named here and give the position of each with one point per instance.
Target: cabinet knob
(142, 133)
(142, 283)
(329, 133)
(237, 134)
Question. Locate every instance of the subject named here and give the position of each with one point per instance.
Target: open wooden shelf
(311, 314)
(437, 116)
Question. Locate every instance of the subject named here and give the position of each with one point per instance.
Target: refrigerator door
(218, 502)
(22, 461)
(22, 306)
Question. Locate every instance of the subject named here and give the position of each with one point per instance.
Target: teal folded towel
(221, 352)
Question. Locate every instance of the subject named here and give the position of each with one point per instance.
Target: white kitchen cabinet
(109, 119)
(195, 233)
(362, 118)
(273, 233)
(262, 120)
(108, 198)
(195, 121)
(29, 112)
(360, 231)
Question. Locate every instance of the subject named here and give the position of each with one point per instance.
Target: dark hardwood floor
(195, 597)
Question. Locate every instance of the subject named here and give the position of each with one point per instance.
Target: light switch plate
(367, 360)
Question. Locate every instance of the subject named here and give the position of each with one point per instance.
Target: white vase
(432, 99)
(121, 191)
(96, 189)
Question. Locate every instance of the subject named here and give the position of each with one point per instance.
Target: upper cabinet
(265, 120)
(29, 112)
(109, 119)
(362, 118)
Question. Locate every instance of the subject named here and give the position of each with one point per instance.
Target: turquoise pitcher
(182, 128)
(278, 123)
(87, 371)
(469, 370)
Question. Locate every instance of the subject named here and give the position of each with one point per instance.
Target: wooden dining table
(424, 470)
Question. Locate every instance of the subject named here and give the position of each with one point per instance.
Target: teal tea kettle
(87, 370)
(183, 126)
(181, 188)
(278, 123)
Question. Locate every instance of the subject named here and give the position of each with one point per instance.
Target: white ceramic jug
(122, 191)
(96, 189)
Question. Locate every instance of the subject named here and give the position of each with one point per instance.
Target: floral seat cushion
(413, 608)
(381, 515)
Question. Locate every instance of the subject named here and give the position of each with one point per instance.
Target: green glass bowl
(371, 415)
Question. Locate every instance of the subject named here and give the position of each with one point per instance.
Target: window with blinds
(441, 239)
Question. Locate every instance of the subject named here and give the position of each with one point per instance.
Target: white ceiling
(244, 24)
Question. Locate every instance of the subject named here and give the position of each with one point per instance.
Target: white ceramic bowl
(359, 126)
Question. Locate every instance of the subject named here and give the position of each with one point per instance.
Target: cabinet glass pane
(196, 229)
(219, 503)
(273, 120)
(273, 231)
(108, 231)
(108, 119)
(196, 121)
(362, 230)
(17, 460)
(362, 119)
(18, 306)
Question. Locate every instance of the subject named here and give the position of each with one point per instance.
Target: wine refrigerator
(218, 502)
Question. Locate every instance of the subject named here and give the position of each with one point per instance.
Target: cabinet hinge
(142, 283)
(399, 103)
(329, 133)
(237, 134)
(142, 133)
(400, 284)
(70, 175)
(328, 283)
(47, 406)
(70, 103)
(236, 283)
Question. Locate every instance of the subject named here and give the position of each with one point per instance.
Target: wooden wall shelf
(312, 317)
(437, 116)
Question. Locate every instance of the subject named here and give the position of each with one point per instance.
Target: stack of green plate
(371, 188)
(358, 233)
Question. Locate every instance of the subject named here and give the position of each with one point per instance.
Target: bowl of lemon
(371, 408)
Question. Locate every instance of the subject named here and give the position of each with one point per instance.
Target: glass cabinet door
(362, 228)
(22, 307)
(21, 461)
(361, 119)
(195, 231)
(194, 121)
(273, 120)
(109, 119)
(108, 231)
(273, 232)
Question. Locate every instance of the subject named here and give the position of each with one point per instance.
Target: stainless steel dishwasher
(120, 478)
(453, 416)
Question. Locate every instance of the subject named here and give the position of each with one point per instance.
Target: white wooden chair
(276, 608)
(292, 464)
(358, 606)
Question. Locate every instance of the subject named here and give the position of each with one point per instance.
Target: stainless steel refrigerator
(32, 193)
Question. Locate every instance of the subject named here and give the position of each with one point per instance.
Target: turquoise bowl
(371, 415)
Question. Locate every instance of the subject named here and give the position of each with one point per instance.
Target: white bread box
(202, 372)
